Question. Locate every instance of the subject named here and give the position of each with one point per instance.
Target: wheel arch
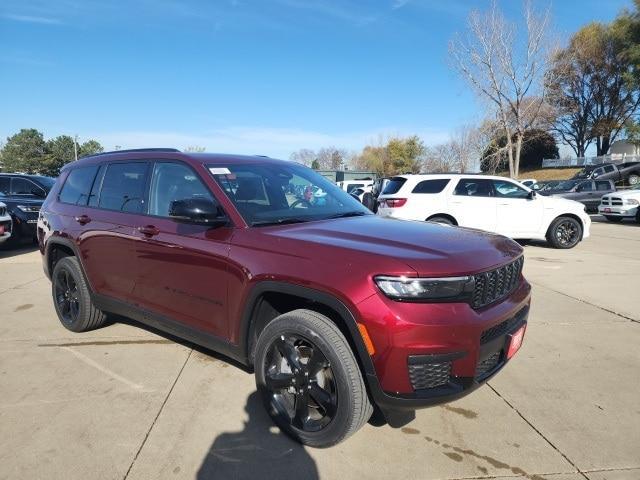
(444, 215)
(269, 299)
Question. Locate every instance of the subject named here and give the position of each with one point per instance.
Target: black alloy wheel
(564, 232)
(309, 379)
(66, 296)
(301, 383)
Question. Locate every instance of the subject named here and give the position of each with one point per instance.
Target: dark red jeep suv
(339, 312)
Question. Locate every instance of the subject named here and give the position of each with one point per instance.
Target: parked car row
(22, 196)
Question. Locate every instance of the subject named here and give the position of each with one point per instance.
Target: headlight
(425, 289)
(29, 208)
(631, 201)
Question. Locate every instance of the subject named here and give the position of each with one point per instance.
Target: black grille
(502, 328)
(429, 375)
(486, 365)
(496, 284)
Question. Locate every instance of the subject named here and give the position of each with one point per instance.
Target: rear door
(109, 221)
(519, 215)
(473, 204)
(182, 269)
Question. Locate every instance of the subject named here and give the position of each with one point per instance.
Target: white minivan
(494, 204)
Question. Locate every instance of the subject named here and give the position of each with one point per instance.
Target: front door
(182, 268)
(473, 204)
(519, 215)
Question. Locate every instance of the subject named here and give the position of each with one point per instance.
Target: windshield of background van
(268, 194)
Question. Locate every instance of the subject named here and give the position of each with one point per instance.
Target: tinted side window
(354, 186)
(585, 187)
(474, 187)
(602, 185)
(123, 187)
(77, 185)
(609, 168)
(22, 186)
(394, 185)
(431, 186)
(4, 185)
(174, 181)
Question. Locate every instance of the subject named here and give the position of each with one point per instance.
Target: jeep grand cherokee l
(337, 310)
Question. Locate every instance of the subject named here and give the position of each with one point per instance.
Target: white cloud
(32, 19)
(399, 4)
(275, 142)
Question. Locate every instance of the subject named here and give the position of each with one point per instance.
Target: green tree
(399, 155)
(539, 145)
(59, 152)
(315, 164)
(24, 152)
(91, 147)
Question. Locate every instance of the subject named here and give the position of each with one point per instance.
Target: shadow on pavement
(8, 251)
(259, 450)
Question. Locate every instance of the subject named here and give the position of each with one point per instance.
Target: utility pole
(75, 146)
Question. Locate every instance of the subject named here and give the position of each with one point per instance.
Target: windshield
(268, 194)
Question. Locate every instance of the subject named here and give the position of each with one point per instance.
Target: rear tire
(441, 220)
(613, 219)
(309, 379)
(564, 232)
(72, 299)
(633, 179)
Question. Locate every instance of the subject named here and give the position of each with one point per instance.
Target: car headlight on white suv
(632, 201)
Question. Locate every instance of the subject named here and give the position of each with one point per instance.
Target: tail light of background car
(394, 202)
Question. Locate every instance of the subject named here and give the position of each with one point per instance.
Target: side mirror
(532, 195)
(200, 211)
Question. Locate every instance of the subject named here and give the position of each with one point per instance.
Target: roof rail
(134, 150)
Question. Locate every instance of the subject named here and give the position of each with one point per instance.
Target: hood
(557, 201)
(633, 193)
(428, 248)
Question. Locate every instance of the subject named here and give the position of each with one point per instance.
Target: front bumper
(465, 345)
(629, 211)
(6, 224)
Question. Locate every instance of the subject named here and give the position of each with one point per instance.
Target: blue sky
(244, 76)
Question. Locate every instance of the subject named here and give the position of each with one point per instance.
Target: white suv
(5, 223)
(622, 204)
(495, 204)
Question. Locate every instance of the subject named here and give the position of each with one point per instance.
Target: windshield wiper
(346, 214)
(280, 221)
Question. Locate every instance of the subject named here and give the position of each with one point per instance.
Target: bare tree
(463, 151)
(506, 68)
(304, 156)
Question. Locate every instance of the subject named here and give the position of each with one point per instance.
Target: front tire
(309, 379)
(564, 232)
(71, 297)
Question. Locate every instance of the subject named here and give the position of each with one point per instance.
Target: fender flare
(314, 296)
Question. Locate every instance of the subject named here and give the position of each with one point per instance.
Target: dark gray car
(588, 192)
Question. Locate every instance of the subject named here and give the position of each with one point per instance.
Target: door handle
(83, 219)
(149, 230)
